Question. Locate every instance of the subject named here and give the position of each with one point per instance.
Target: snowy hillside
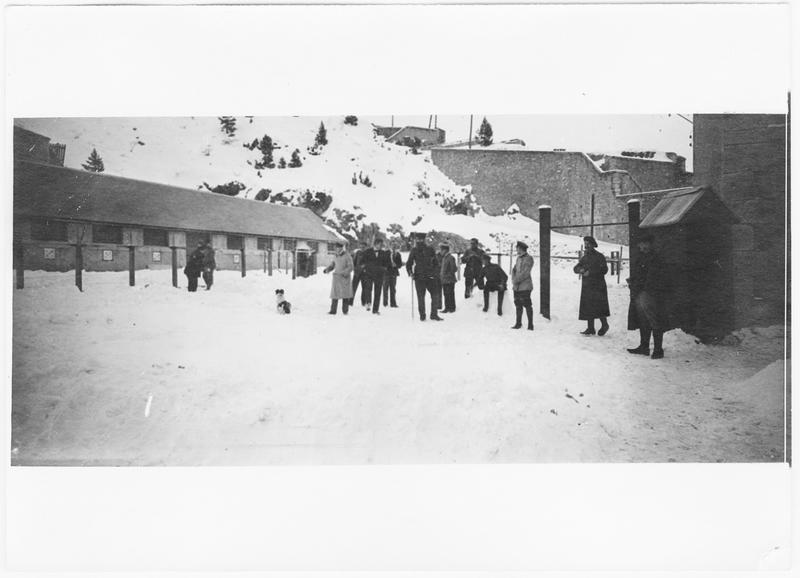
(405, 189)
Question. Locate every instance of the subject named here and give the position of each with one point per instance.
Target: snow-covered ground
(151, 375)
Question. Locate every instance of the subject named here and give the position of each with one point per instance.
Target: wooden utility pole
(591, 222)
(634, 208)
(174, 266)
(430, 120)
(131, 265)
(544, 261)
(470, 132)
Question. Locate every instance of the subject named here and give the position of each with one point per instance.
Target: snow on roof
(678, 206)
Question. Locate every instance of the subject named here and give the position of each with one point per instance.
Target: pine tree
(295, 160)
(322, 136)
(94, 164)
(266, 146)
(282, 163)
(485, 133)
(227, 125)
(351, 119)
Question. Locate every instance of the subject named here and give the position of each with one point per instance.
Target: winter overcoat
(650, 290)
(594, 293)
(494, 277)
(422, 261)
(375, 263)
(209, 262)
(449, 269)
(397, 262)
(521, 273)
(341, 266)
(473, 259)
(194, 264)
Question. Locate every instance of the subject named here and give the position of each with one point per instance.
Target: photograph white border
(503, 59)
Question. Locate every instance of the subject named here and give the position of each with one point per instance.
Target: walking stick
(412, 299)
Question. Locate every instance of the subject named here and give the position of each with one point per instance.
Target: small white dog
(283, 306)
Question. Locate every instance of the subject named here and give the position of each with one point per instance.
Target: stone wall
(563, 180)
(743, 158)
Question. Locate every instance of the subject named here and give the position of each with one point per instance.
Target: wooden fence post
(244, 264)
(174, 266)
(544, 261)
(634, 207)
(131, 266)
(294, 263)
(269, 262)
(619, 265)
(79, 266)
(19, 264)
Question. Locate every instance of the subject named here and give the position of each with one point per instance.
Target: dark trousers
(192, 282)
(208, 277)
(366, 290)
(449, 290)
(377, 286)
(644, 338)
(522, 300)
(500, 294)
(432, 287)
(356, 283)
(335, 306)
(390, 290)
(470, 280)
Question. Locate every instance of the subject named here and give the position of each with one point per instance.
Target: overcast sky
(586, 133)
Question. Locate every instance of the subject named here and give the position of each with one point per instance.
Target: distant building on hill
(427, 136)
(56, 208)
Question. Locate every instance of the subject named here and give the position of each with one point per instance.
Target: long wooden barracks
(64, 217)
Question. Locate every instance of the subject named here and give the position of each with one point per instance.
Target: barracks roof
(63, 193)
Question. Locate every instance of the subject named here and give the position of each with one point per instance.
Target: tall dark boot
(529, 313)
(345, 306)
(589, 328)
(485, 301)
(658, 344)
(500, 302)
(644, 343)
(603, 326)
(335, 306)
(518, 324)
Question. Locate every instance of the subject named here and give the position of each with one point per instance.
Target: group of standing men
(375, 270)
(201, 261)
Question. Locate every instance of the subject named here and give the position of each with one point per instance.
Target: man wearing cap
(376, 261)
(493, 278)
(448, 271)
(422, 266)
(522, 284)
(649, 293)
(473, 261)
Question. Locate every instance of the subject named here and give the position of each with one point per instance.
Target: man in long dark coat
(390, 279)
(649, 285)
(423, 266)
(473, 261)
(493, 278)
(592, 268)
(194, 267)
(376, 261)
